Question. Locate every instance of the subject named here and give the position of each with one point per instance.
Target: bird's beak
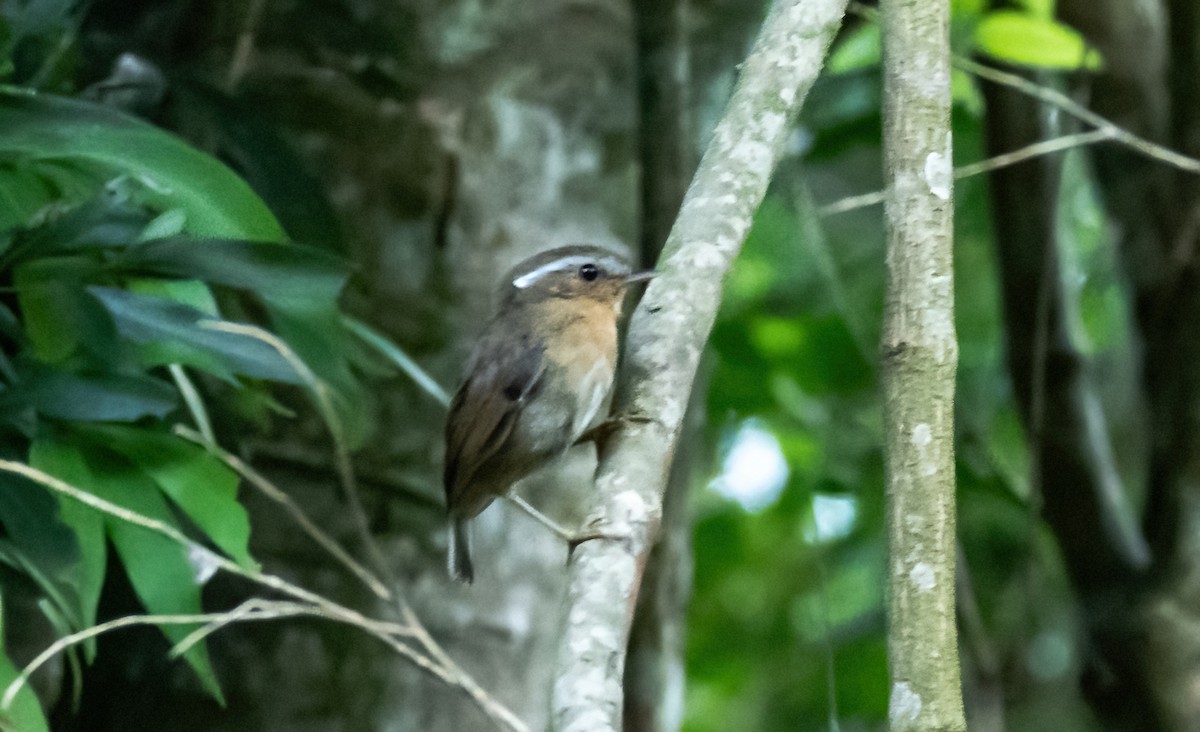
(640, 276)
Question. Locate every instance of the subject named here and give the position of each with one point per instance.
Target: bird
(538, 378)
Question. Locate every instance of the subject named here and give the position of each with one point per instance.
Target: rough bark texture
(920, 354)
(663, 348)
(654, 669)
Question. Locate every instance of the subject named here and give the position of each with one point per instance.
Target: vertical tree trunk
(920, 354)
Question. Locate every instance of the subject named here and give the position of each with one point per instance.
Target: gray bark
(666, 338)
(920, 355)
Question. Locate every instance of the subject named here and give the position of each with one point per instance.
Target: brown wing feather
(483, 413)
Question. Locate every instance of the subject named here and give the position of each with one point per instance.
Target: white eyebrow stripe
(557, 265)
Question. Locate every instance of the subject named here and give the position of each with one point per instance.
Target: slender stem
(240, 62)
(1035, 150)
(251, 610)
(195, 405)
(274, 493)
(402, 360)
(440, 665)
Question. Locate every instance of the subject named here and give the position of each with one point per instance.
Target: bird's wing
(502, 376)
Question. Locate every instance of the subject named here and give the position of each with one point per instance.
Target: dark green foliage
(787, 628)
(118, 241)
(125, 249)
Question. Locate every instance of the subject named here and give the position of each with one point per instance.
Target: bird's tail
(459, 558)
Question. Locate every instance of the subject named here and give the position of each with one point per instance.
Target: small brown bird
(537, 379)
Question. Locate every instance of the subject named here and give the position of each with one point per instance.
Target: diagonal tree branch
(666, 338)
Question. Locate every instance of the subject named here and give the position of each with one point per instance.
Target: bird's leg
(604, 430)
(540, 517)
(572, 539)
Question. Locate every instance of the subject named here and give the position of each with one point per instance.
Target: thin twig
(1075, 109)
(1035, 150)
(446, 670)
(324, 403)
(195, 405)
(1003, 160)
(273, 492)
(250, 610)
(1105, 130)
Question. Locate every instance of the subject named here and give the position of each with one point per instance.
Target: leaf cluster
(132, 263)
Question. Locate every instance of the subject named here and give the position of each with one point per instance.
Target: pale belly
(551, 422)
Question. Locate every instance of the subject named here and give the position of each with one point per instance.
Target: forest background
(245, 309)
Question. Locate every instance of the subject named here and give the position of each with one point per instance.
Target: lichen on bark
(920, 355)
(666, 338)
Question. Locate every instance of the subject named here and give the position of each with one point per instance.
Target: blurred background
(410, 152)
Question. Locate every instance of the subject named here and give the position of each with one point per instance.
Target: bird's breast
(583, 354)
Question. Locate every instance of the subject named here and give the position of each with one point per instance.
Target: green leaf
(63, 462)
(248, 136)
(22, 194)
(216, 201)
(1028, 40)
(393, 353)
(280, 273)
(159, 570)
(174, 333)
(1038, 8)
(30, 517)
(43, 16)
(105, 220)
(319, 339)
(168, 223)
(192, 293)
(158, 567)
(25, 715)
(197, 482)
(858, 50)
(99, 397)
(59, 317)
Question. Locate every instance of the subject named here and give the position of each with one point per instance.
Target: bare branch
(250, 610)
(1035, 150)
(666, 337)
(441, 662)
(1105, 130)
(274, 493)
(1075, 109)
(440, 665)
(323, 400)
(191, 397)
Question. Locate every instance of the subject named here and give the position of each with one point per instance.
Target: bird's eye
(589, 272)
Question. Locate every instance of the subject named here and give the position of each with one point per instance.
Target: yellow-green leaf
(1027, 40)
